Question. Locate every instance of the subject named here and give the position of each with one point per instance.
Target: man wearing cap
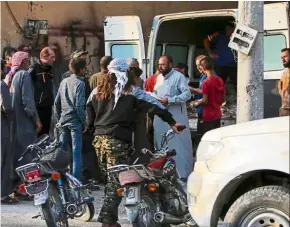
(133, 63)
(81, 54)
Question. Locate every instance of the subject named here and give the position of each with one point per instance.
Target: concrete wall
(86, 18)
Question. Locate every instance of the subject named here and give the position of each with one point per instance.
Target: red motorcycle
(154, 194)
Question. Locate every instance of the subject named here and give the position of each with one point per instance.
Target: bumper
(203, 188)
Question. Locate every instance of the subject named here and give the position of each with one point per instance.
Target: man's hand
(38, 126)
(195, 103)
(85, 129)
(164, 101)
(175, 128)
(213, 55)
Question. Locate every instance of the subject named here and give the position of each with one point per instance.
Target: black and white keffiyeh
(119, 67)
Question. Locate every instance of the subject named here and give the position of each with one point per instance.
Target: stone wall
(79, 24)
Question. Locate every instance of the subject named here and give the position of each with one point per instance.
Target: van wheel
(264, 206)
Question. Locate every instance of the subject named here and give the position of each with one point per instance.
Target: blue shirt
(142, 95)
(70, 101)
(226, 57)
(199, 96)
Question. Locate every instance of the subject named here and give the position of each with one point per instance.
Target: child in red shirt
(213, 91)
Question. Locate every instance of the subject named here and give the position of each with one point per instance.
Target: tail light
(120, 192)
(152, 187)
(21, 188)
(33, 176)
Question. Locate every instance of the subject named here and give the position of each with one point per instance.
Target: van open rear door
(276, 37)
(124, 38)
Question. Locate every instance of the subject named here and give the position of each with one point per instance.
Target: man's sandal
(11, 199)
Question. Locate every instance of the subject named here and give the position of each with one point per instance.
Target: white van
(181, 35)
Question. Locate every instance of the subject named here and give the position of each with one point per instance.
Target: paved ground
(20, 215)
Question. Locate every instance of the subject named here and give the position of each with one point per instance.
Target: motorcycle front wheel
(52, 210)
(145, 217)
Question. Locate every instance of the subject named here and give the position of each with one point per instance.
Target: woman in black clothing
(111, 112)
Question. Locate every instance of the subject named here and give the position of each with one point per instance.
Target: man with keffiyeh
(25, 124)
(110, 116)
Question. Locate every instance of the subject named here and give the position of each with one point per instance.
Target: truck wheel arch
(232, 191)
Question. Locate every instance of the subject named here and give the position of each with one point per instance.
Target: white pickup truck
(242, 176)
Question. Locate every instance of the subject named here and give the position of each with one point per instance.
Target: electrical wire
(20, 30)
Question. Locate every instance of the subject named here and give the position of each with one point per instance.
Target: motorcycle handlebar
(181, 128)
(171, 153)
(28, 149)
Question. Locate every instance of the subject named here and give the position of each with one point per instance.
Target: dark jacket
(42, 76)
(102, 119)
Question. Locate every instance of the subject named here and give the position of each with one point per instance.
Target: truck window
(179, 53)
(124, 51)
(272, 52)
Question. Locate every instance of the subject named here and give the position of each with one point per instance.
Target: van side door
(276, 37)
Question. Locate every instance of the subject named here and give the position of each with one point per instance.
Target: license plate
(40, 198)
(130, 193)
(37, 188)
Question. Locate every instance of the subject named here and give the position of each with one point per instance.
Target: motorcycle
(154, 194)
(58, 194)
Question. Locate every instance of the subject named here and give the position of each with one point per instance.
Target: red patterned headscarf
(17, 60)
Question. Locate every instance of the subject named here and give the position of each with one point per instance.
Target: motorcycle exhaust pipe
(164, 218)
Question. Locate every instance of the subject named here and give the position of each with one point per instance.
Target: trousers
(110, 152)
(75, 131)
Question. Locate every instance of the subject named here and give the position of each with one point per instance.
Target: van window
(124, 51)
(179, 53)
(158, 51)
(273, 44)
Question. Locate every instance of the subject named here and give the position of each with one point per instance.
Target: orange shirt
(284, 90)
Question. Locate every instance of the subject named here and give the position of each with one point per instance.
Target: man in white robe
(172, 89)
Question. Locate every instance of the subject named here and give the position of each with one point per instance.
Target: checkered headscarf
(119, 67)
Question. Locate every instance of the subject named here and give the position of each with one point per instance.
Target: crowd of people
(110, 116)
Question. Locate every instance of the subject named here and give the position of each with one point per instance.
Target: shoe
(10, 200)
(23, 197)
(112, 225)
(93, 185)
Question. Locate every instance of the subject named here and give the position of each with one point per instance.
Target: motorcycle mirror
(144, 151)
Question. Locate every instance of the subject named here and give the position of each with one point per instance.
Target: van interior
(183, 39)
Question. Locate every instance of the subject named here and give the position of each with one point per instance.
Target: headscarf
(119, 67)
(17, 59)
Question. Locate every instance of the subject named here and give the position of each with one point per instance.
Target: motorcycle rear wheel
(88, 214)
(58, 217)
(145, 217)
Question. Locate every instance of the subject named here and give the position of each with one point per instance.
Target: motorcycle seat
(157, 172)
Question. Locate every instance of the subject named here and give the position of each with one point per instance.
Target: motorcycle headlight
(207, 149)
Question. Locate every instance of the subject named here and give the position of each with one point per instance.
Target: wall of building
(76, 24)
